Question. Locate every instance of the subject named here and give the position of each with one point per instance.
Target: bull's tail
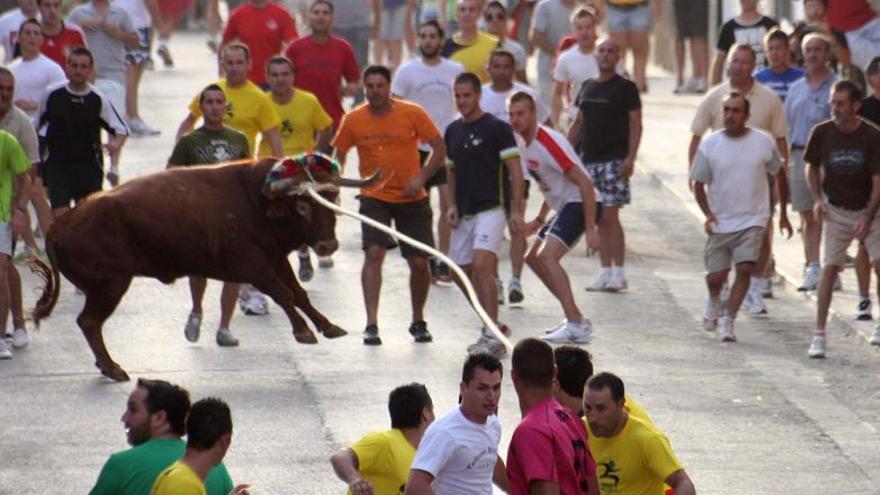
(51, 283)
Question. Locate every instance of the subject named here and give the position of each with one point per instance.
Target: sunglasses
(493, 17)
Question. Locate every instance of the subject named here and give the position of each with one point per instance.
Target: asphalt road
(755, 417)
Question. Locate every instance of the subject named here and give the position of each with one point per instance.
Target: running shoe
(325, 262)
(754, 302)
(616, 282)
(225, 338)
(500, 291)
(725, 330)
(555, 328)
(140, 128)
(487, 343)
(113, 176)
(420, 333)
(165, 55)
(5, 353)
(600, 283)
(252, 301)
(710, 315)
(875, 337)
(193, 327)
(306, 271)
(766, 287)
(811, 278)
(371, 335)
(817, 347)
(863, 310)
(514, 291)
(20, 338)
(573, 332)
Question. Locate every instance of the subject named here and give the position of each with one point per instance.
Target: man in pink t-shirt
(266, 28)
(321, 61)
(549, 448)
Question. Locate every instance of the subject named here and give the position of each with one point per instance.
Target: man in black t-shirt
(748, 28)
(486, 182)
(608, 129)
(843, 157)
(871, 104)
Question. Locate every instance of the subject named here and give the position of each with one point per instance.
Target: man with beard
(155, 422)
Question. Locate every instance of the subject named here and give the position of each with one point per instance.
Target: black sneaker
(371, 335)
(419, 331)
(306, 272)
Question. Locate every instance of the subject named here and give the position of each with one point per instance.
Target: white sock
(163, 43)
(617, 271)
(605, 271)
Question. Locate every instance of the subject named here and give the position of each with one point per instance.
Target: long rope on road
(472, 294)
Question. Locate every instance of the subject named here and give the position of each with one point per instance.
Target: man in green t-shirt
(14, 191)
(154, 420)
(212, 143)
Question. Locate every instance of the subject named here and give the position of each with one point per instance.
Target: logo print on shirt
(286, 127)
(271, 25)
(473, 140)
(608, 479)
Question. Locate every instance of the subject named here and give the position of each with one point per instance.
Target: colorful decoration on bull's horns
(295, 165)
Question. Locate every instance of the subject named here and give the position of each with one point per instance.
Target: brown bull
(221, 222)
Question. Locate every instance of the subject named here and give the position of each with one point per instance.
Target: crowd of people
(793, 123)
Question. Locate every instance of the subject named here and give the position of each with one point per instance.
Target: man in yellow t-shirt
(469, 46)
(305, 126)
(249, 110)
(208, 435)
(632, 457)
(386, 132)
(379, 462)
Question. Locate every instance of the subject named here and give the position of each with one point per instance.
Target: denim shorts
(629, 19)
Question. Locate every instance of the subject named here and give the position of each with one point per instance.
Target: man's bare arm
(419, 483)
(681, 483)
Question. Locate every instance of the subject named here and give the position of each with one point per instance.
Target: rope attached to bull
(286, 169)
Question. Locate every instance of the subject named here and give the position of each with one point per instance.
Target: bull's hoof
(331, 331)
(306, 337)
(115, 373)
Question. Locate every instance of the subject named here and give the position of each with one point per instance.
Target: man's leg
(740, 286)
(371, 281)
(551, 252)
(485, 266)
(193, 326)
(133, 74)
(15, 299)
(5, 264)
(679, 63)
(829, 273)
(534, 262)
(700, 60)
(41, 204)
(640, 45)
(419, 285)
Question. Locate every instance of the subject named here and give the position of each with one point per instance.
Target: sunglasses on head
(493, 17)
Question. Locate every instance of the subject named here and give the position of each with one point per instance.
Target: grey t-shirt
(108, 51)
(551, 18)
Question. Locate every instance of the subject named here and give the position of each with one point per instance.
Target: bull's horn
(344, 182)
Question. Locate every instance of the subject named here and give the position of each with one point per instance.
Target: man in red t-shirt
(322, 60)
(58, 38)
(549, 448)
(266, 28)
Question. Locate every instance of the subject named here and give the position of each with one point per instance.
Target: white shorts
(114, 92)
(484, 231)
(864, 43)
(6, 238)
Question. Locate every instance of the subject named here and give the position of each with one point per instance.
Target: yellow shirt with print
(178, 479)
(249, 110)
(473, 56)
(384, 458)
(636, 461)
(301, 118)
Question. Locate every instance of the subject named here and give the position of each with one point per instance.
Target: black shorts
(412, 219)
(439, 177)
(69, 183)
(691, 18)
(567, 225)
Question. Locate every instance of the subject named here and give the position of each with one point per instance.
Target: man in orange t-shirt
(386, 133)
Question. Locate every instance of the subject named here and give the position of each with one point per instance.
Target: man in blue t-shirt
(486, 182)
(780, 75)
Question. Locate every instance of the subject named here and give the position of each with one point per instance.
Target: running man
(568, 190)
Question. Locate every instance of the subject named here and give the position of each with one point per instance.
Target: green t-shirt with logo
(206, 147)
(133, 471)
(13, 162)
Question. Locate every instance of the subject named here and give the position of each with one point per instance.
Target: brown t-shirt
(848, 159)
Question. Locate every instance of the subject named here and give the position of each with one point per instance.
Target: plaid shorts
(613, 188)
(140, 55)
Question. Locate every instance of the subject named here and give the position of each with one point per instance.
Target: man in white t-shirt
(568, 190)
(11, 21)
(575, 65)
(495, 17)
(427, 81)
(458, 454)
(34, 72)
(493, 100)
(734, 163)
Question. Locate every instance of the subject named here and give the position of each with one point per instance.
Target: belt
(627, 6)
(797, 147)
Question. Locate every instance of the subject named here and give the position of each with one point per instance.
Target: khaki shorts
(798, 188)
(839, 234)
(742, 246)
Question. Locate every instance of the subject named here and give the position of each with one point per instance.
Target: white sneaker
(555, 328)
(754, 302)
(875, 337)
(710, 315)
(325, 262)
(600, 283)
(225, 338)
(8, 333)
(766, 287)
(193, 327)
(20, 338)
(574, 332)
(863, 310)
(817, 347)
(811, 278)
(140, 128)
(725, 330)
(5, 353)
(616, 282)
(487, 343)
(252, 301)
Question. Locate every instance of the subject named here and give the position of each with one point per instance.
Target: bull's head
(286, 188)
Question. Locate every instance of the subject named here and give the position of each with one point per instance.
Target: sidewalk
(666, 121)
